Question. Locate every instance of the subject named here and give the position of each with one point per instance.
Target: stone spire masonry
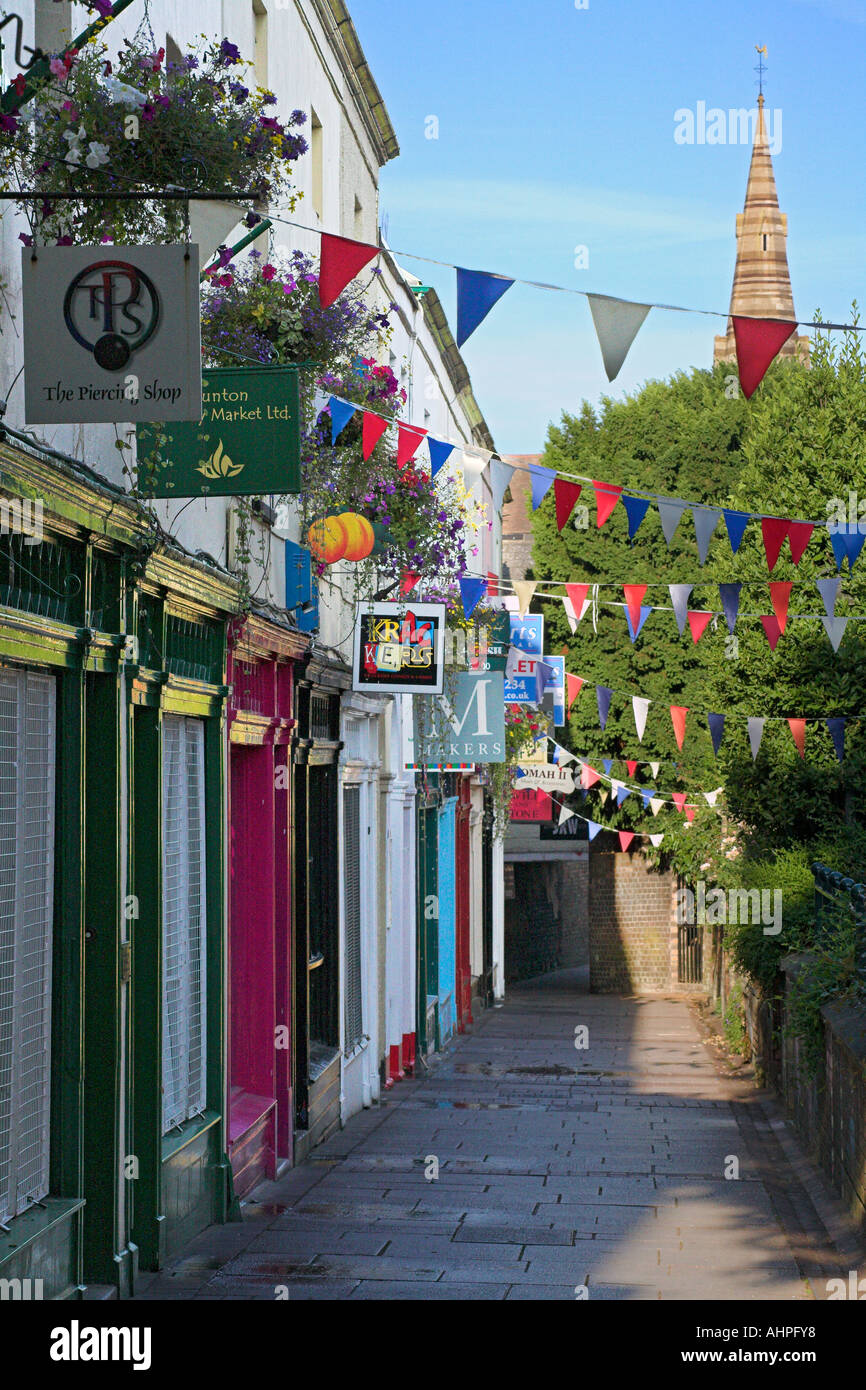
(762, 282)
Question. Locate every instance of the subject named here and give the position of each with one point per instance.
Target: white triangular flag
(500, 475)
(616, 324)
(209, 225)
(711, 797)
(640, 707)
(756, 733)
(656, 804)
(680, 599)
(835, 630)
(655, 840)
(524, 589)
(654, 769)
(565, 815)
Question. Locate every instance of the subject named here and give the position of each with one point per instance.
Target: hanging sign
(527, 633)
(530, 804)
(399, 648)
(554, 690)
(111, 333)
(248, 440)
(498, 641)
(464, 724)
(551, 777)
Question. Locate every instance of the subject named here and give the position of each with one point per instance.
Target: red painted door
(463, 982)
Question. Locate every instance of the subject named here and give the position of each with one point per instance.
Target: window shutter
(352, 899)
(183, 922)
(27, 763)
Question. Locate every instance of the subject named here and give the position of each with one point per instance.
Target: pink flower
(226, 280)
(57, 67)
(289, 286)
(268, 272)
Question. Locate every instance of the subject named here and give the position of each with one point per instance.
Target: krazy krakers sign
(399, 647)
(466, 724)
(247, 442)
(111, 333)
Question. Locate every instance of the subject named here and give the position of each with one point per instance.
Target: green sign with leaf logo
(247, 442)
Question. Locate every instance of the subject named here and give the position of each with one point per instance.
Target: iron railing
(835, 894)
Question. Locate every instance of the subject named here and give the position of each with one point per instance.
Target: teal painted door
(447, 919)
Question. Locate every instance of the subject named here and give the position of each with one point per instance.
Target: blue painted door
(447, 919)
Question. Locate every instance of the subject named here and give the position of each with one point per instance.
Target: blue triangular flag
(472, 590)
(593, 828)
(730, 596)
(646, 795)
(854, 539)
(644, 614)
(621, 794)
(542, 482)
(736, 523)
(603, 694)
(717, 728)
(837, 734)
(636, 509)
(839, 542)
(341, 414)
(439, 451)
(519, 772)
(477, 292)
(607, 763)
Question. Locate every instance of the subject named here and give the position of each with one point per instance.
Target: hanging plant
(140, 123)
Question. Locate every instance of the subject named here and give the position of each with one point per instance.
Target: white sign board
(549, 777)
(111, 333)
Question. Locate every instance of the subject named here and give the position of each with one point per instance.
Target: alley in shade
(564, 1172)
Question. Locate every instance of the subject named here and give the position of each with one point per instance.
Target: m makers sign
(111, 333)
(466, 725)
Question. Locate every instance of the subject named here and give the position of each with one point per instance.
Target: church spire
(762, 282)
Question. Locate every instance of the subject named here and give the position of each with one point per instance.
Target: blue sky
(556, 130)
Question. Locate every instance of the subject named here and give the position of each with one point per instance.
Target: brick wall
(632, 925)
(546, 919)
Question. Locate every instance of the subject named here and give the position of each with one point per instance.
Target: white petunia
(99, 154)
(122, 93)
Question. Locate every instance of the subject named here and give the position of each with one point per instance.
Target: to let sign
(247, 441)
(111, 333)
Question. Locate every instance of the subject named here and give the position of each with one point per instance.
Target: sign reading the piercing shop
(111, 334)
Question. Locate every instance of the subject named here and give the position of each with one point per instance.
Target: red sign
(531, 803)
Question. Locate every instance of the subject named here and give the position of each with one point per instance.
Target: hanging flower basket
(139, 123)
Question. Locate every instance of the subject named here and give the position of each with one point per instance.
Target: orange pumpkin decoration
(360, 536)
(328, 540)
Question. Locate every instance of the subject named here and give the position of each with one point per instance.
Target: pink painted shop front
(260, 941)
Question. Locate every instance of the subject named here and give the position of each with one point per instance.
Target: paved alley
(563, 1172)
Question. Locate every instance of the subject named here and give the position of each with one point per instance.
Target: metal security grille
(183, 922)
(352, 893)
(27, 759)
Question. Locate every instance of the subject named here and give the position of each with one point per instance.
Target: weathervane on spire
(761, 50)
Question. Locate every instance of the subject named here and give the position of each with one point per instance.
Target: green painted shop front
(112, 777)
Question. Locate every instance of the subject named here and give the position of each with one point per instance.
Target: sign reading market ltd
(399, 647)
(466, 724)
(248, 440)
(111, 333)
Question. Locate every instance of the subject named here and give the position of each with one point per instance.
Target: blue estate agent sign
(527, 633)
(463, 726)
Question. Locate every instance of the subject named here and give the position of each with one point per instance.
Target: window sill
(177, 1139)
(35, 1222)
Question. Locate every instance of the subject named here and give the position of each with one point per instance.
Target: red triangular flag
(690, 813)
(772, 629)
(577, 595)
(799, 535)
(408, 439)
(780, 595)
(798, 729)
(679, 800)
(574, 684)
(409, 580)
(697, 623)
(758, 341)
(565, 495)
(774, 530)
(588, 776)
(340, 262)
(371, 432)
(678, 719)
(632, 767)
(606, 498)
(633, 597)
(625, 838)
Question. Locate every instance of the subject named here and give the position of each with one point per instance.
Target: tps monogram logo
(111, 308)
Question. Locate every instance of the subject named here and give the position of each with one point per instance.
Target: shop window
(27, 759)
(183, 922)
